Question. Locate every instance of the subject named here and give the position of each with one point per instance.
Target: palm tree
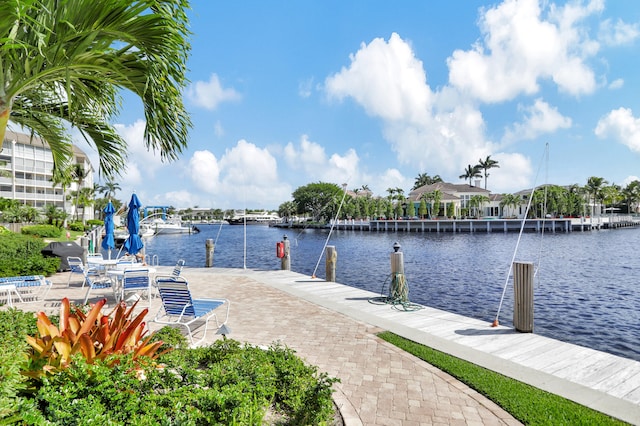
(594, 190)
(424, 179)
(470, 173)
(78, 174)
(109, 189)
(509, 201)
(478, 201)
(64, 62)
(85, 198)
(612, 195)
(392, 193)
(62, 176)
(427, 197)
(631, 194)
(485, 165)
(287, 209)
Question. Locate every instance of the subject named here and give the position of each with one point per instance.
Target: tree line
(324, 201)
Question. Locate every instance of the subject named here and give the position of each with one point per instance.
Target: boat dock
(486, 225)
(334, 326)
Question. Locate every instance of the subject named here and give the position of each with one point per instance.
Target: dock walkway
(602, 381)
(334, 327)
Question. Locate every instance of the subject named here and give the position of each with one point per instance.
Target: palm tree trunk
(4, 118)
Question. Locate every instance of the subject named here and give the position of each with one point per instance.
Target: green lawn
(526, 403)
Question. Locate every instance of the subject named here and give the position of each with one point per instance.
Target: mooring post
(285, 261)
(523, 296)
(210, 246)
(331, 259)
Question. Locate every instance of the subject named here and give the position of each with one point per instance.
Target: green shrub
(225, 383)
(171, 337)
(94, 222)
(77, 226)
(21, 255)
(42, 231)
(14, 326)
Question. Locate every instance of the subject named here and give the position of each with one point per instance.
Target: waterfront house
(459, 195)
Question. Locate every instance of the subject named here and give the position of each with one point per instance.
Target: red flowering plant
(92, 335)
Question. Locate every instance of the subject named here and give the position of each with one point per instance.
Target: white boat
(264, 218)
(171, 225)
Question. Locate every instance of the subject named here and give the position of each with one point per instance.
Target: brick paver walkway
(379, 384)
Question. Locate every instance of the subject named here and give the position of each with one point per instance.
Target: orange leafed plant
(94, 335)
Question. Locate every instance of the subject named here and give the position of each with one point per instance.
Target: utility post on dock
(283, 251)
(210, 247)
(330, 263)
(398, 289)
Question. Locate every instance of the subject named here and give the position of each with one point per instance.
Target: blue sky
(374, 93)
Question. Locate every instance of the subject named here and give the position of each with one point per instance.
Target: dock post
(523, 296)
(210, 247)
(330, 263)
(398, 289)
(285, 260)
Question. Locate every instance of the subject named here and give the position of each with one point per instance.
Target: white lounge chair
(179, 308)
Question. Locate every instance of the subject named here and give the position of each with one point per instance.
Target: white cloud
(618, 83)
(218, 130)
(618, 33)
(209, 94)
(514, 174)
(310, 157)
(178, 199)
(204, 171)
(390, 178)
(621, 126)
(427, 131)
(305, 88)
(386, 79)
(245, 175)
(519, 47)
(142, 165)
(540, 118)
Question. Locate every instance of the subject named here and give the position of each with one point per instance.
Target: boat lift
(164, 210)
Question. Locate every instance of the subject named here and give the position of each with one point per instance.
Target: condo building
(26, 172)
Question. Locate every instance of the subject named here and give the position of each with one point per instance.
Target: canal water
(586, 286)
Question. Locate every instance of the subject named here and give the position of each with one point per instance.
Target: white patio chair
(178, 268)
(135, 281)
(76, 268)
(96, 282)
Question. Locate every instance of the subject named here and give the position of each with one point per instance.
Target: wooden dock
(487, 225)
